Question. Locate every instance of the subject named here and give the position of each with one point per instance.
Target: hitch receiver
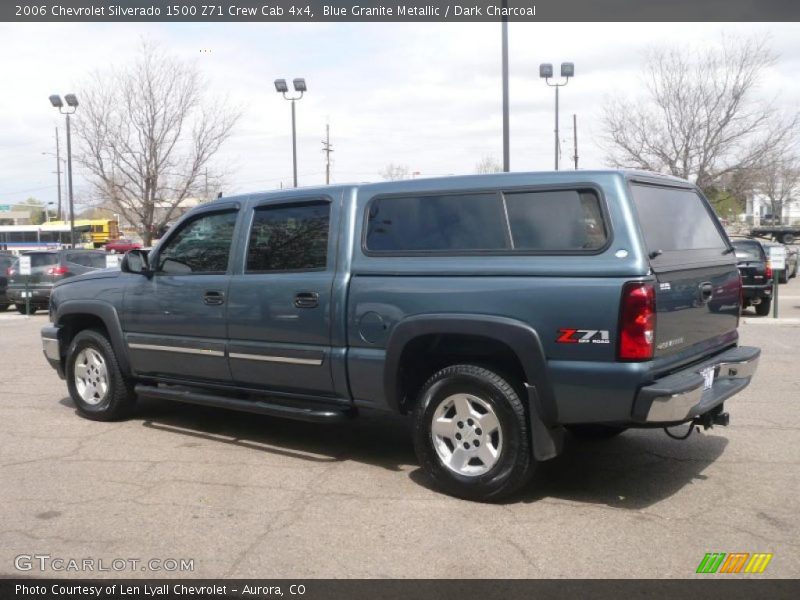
(713, 417)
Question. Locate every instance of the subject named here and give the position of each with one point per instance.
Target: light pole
(546, 72)
(299, 86)
(72, 102)
(59, 161)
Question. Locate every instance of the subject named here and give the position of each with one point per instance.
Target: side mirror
(135, 261)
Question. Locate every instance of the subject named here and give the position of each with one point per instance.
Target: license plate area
(708, 377)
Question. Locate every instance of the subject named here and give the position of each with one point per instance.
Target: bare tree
(778, 181)
(699, 119)
(148, 136)
(488, 164)
(393, 172)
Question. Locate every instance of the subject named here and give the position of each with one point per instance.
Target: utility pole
(327, 149)
(575, 138)
(504, 60)
(58, 174)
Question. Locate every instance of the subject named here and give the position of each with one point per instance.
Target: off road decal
(583, 336)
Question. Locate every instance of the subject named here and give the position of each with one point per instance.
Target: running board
(298, 413)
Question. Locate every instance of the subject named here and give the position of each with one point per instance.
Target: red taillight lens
(769, 270)
(57, 271)
(637, 324)
(10, 272)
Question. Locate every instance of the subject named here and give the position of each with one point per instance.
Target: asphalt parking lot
(250, 496)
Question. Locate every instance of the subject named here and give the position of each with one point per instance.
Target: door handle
(213, 298)
(306, 300)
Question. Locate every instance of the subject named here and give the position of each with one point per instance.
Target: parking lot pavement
(250, 496)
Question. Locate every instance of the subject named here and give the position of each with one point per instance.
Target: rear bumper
(685, 394)
(757, 291)
(38, 295)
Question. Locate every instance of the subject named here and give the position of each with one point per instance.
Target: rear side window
(437, 223)
(675, 219)
(289, 238)
(551, 221)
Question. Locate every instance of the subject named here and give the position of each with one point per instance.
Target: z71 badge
(583, 336)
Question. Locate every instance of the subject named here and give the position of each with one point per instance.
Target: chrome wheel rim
(466, 434)
(91, 376)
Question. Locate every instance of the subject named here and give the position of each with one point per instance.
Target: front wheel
(4, 307)
(94, 379)
(471, 433)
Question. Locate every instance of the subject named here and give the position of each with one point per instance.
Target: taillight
(57, 271)
(637, 323)
(768, 272)
(10, 272)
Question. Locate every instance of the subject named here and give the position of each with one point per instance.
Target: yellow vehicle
(101, 231)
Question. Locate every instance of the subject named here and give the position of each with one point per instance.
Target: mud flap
(547, 441)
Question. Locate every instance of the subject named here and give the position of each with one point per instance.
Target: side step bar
(261, 407)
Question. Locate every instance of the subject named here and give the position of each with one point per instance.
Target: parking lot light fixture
(282, 88)
(72, 102)
(546, 73)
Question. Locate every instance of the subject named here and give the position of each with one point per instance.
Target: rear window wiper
(653, 254)
(728, 250)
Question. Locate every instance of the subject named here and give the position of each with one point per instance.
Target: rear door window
(749, 251)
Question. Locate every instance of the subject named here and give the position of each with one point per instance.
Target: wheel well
(73, 324)
(425, 355)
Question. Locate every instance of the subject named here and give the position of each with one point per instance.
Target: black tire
(762, 309)
(21, 309)
(514, 463)
(787, 238)
(595, 432)
(119, 398)
(4, 307)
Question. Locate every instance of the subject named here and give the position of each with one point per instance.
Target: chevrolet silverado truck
(497, 311)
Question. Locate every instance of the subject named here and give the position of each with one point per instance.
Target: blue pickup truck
(497, 310)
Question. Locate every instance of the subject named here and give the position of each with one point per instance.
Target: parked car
(6, 260)
(791, 265)
(499, 310)
(121, 246)
(756, 272)
(48, 268)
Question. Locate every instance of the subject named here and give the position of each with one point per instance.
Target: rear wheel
(4, 307)
(787, 238)
(94, 380)
(471, 433)
(23, 310)
(595, 432)
(762, 309)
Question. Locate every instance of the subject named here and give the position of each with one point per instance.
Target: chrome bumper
(686, 394)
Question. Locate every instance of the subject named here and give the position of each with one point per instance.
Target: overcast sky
(423, 95)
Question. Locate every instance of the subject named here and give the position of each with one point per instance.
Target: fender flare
(517, 335)
(108, 315)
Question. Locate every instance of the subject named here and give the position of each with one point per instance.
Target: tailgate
(695, 305)
(697, 281)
